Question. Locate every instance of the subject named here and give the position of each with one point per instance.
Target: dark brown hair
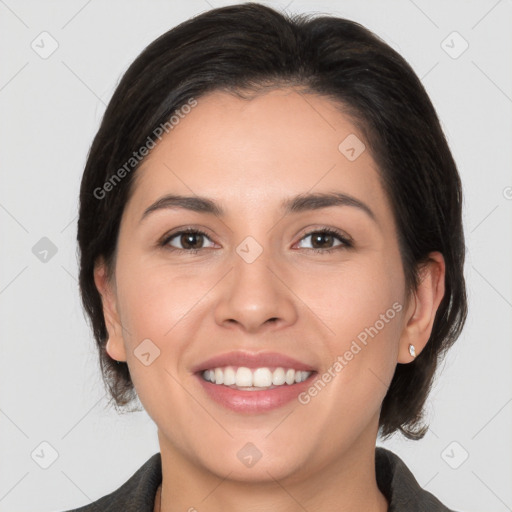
(251, 47)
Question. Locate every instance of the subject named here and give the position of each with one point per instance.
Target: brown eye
(191, 240)
(326, 240)
(322, 240)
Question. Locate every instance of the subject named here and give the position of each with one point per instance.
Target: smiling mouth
(254, 379)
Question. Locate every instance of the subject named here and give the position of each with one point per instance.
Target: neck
(346, 484)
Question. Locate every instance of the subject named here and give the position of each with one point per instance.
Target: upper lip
(252, 360)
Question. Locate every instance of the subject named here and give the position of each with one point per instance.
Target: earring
(412, 351)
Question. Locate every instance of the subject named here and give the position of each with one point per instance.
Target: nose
(256, 296)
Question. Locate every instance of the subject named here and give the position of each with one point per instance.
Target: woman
(272, 260)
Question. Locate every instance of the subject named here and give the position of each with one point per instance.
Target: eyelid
(164, 240)
(327, 229)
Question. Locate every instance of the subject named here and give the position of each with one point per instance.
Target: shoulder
(398, 484)
(137, 494)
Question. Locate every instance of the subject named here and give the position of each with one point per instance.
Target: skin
(249, 155)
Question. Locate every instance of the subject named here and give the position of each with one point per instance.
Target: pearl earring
(412, 351)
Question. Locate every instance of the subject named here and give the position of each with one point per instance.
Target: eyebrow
(296, 204)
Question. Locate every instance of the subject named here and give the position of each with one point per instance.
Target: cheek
(363, 355)
(154, 300)
(159, 305)
(351, 297)
(157, 312)
(361, 305)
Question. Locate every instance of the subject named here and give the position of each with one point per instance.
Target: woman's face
(264, 279)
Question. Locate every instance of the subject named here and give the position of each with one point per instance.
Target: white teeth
(243, 377)
(229, 376)
(278, 377)
(262, 378)
(290, 376)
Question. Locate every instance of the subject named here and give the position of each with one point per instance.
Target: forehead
(253, 152)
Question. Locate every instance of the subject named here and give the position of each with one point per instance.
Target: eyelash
(346, 243)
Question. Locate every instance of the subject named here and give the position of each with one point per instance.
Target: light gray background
(50, 386)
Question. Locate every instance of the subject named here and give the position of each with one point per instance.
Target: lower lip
(254, 401)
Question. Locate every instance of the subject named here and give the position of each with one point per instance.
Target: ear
(106, 288)
(423, 307)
